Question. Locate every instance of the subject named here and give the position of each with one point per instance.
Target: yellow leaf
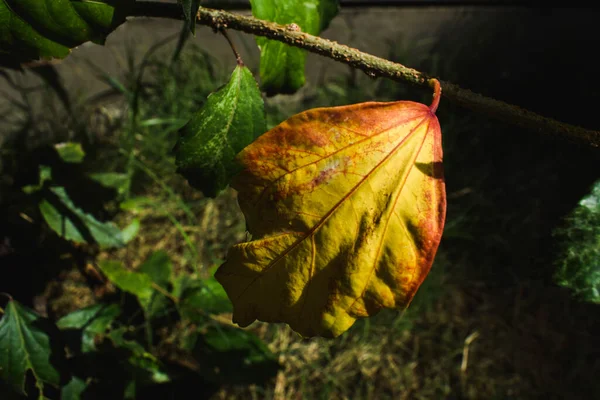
(346, 208)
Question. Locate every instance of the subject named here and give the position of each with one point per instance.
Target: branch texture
(376, 67)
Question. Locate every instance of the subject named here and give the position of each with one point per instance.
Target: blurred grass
(476, 329)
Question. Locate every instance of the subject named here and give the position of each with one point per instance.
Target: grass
(476, 329)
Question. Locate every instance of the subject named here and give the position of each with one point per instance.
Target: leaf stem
(238, 58)
(375, 67)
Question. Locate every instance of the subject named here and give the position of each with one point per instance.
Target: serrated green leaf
(25, 347)
(93, 321)
(579, 259)
(230, 119)
(70, 152)
(73, 390)
(72, 223)
(282, 66)
(33, 29)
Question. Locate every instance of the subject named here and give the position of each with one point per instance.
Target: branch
(375, 67)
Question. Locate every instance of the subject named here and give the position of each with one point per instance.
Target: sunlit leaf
(25, 347)
(346, 207)
(72, 223)
(230, 119)
(114, 180)
(33, 29)
(282, 66)
(93, 321)
(579, 239)
(70, 152)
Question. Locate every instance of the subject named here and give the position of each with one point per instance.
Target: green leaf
(230, 119)
(579, 259)
(136, 283)
(72, 223)
(45, 176)
(140, 359)
(158, 267)
(73, 390)
(33, 29)
(114, 180)
(190, 9)
(137, 204)
(198, 297)
(234, 355)
(70, 152)
(282, 66)
(25, 347)
(155, 271)
(93, 321)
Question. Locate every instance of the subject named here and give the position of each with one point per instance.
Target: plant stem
(375, 67)
(238, 58)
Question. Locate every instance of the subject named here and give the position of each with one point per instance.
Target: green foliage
(92, 322)
(70, 152)
(206, 295)
(72, 223)
(231, 119)
(32, 29)
(138, 284)
(239, 356)
(25, 347)
(73, 390)
(579, 260)
(282, 66)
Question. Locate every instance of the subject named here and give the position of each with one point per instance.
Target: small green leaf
(73, 390)
(136, 283)
(114, 180)
(72, 223)
(282, 66)
(70, 152)
(137, 204)
(230, 119)
(25, 346)
(33, 29)
(579, 239)
(45, 176)
(93, 321)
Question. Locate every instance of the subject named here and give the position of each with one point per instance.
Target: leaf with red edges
(346, 208)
